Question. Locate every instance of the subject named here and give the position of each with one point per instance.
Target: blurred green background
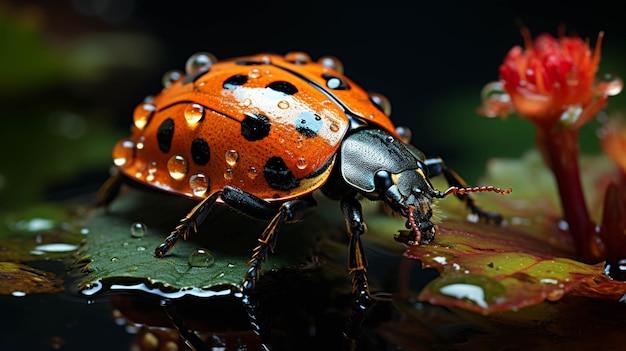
(71, 72)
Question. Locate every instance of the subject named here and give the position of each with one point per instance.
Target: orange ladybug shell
(266, 124)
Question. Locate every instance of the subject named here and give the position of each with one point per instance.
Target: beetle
(262, 133)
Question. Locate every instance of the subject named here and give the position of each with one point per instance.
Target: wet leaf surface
(575, 323)
(43, 231)
(18, 279)
(488, 268)
(113, 252)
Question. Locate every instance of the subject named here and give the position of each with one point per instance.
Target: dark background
(71, 73)
(431, 59)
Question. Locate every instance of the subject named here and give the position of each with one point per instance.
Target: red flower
(550, 81)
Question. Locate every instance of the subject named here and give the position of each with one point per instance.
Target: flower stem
(560, 152)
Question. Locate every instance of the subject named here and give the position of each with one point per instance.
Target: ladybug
(262, 133)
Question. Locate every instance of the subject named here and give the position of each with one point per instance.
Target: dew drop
(228, 174)
(201, 258)
(404, 133)
(194, 113)
(199, 184)
(231, 157)
(170, 77)
(301, 163)
(177, 166)
(123, 152)
(152, 169)
(495, 101)
(621, 265)
(140, 145)
(142, 114)
(54, 247)
(138, 230)
(84, 231)
(252, 173)
(283, 104)
(555, 295)
(331, 62)
(610, 85)
(334, 127)
(254, 73)
(200, 61)
(381, 102)
(246, 102)
(298, 57)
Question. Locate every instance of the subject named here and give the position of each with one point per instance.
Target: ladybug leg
(357, 265)
(288, 212)
(190, 223)
(109, 190)
(436, 166)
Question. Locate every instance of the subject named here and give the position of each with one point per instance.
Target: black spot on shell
(255, 126)
(283, 87)
(165, 134)
(248, 63)
(235, 81)
(200, 151)
(278, 176)
(308, 124)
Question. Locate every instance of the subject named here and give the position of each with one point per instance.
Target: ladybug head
(381, 167)
(410, 194)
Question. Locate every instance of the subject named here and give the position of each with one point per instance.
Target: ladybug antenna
(478, 189)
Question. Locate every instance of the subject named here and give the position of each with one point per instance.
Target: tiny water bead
(231, 157)
(331, 62)
(194, 113)
(283, 104)
(298, 57)
(610, 85)
(404, 133)
(201, 258)
(138, 230)
(142, 114)
(495, 101)
(381, 102)
(170, 77)
(301, 163)
(254, 73)
(140, 142)
(177, 167)
(228, 174)
(252, 173)
(200, 61)
(199, 184)
(152, 169)
(123, 152)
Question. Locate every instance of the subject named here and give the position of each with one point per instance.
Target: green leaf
(112, 253)
(40, 232)
(18, 278)
(529, 259)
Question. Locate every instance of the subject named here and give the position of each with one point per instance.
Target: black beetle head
(410, 194)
